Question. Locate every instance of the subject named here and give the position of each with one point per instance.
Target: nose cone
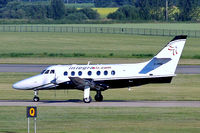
(17, 86)
(28, 84)
(23, 85)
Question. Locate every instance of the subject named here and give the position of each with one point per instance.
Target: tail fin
(165, 62)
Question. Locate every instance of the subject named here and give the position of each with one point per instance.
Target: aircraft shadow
(64, 101)
(80, 101)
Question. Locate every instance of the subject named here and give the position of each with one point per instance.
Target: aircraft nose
(19, 85)
(16, 86)
(28, 83)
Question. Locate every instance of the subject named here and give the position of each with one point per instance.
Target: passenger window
(105, 72)
(65, 73)
(113, 72)
(89, 73)
(98, 73)
(72, 73)
(79, 73)
(47, 72)
(52, 72)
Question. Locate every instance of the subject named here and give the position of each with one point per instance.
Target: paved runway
(181, 69)
(78, 103)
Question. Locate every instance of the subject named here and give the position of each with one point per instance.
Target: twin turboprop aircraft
(160, 69)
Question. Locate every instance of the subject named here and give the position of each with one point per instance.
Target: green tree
(58, 9)
(124, 2)
(157, 13)
(12, 10)
(78, 16)
(186, 7)
(125, 13)
(102, 3)
(144, 9)
(70, 10)
(195, 14)
(3, 3)
(36, 11)
(157, 9)
(90, 13)
(173, 13)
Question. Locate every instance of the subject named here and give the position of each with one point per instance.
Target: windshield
(46, 72)
(43, 71)
(52, 72)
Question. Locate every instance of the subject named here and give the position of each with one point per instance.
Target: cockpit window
(52, 71)
(43, 71)
(46, 72)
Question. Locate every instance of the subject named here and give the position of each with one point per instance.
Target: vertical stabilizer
(166, 61)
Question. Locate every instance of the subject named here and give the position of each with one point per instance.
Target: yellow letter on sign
(32, 112)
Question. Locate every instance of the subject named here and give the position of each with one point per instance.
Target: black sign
(31, 112)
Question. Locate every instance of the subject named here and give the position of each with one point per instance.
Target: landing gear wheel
(87, 100)
(36, 99)
(98, 97)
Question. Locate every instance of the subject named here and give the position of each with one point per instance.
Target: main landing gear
(36, 98)
(98, 97)
(87, 98)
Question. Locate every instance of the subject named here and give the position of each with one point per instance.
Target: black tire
(98, 98)
(86, 100)
(36, 99)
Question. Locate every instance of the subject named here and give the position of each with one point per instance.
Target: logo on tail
(173, 49)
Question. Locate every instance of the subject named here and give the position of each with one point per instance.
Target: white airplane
(160, 69)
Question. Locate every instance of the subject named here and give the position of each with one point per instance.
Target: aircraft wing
(81, 83)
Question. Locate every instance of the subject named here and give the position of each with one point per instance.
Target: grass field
(101, 120)
(55, 47)
(169, 26)
(183, 87)
(84, 60)
(87, 45)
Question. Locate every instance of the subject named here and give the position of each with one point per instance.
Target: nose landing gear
(36, 98)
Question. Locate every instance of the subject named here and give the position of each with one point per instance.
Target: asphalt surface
(181, 69)
(79, 103)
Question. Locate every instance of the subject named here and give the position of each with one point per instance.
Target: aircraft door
(53, 76)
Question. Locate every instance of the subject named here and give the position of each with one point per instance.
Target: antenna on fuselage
(88, 62)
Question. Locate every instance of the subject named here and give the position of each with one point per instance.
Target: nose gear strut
(36, 98)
